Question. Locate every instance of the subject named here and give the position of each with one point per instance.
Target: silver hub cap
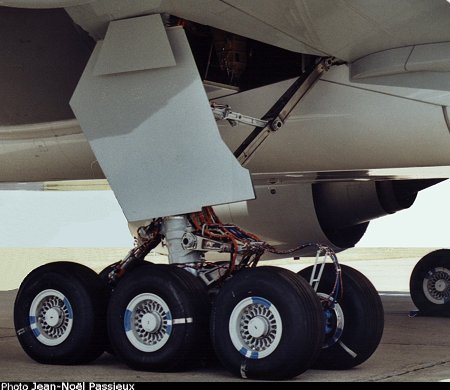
(259, 327)
(255, 328)
(54, 317)
(151, 322)
(51, 317)
(148, 322)
(436, 286)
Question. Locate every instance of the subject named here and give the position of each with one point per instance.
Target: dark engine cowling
(333, 213)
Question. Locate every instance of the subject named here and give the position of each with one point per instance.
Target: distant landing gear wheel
(158, 318)
(59, 314)
(267, 323)
(430, 283)
(354, 326)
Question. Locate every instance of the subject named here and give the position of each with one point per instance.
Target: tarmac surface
(412, 349)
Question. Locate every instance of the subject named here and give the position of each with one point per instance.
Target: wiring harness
(245, 249)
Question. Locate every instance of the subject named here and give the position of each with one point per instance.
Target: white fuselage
(340, 130)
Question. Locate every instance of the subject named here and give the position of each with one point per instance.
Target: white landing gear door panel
(154, 134)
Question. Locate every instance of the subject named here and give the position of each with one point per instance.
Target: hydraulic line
(245, 249)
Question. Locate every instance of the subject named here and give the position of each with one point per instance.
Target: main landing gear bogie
(261, 322)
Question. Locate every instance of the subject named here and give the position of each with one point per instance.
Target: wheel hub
(436, 286)
(51, 317)
(441, 286)
(259, 327)
(255, 328)
(54, 317)
(334, 322)
(148, 322)
(151, 322)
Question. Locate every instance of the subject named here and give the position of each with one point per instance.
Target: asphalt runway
(413, 349)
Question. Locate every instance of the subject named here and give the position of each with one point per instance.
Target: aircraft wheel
(267, 323)
(430, 283)
(158, 318)
(355, 325)
(59, 314)
(104, 277)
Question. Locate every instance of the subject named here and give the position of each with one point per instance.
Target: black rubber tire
(436, 259)
(363, 314)
(87, 296)
(300, 312)
(186, 298)
(104, 277)
(104, 274)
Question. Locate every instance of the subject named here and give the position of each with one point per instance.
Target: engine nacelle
(336, 214)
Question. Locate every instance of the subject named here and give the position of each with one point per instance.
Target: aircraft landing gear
(266, 322)
(430, 284)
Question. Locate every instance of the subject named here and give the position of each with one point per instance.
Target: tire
(104, 274)
(272, 297)
(104, 277)
(77, 295)
(356, 339)
(160, 294)
(430, 284)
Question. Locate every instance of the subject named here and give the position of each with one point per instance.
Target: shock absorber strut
(174, 229)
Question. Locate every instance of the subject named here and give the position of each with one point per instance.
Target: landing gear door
(151, 127)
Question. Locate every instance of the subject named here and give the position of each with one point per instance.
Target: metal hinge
(223, 112)
(277, 116)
